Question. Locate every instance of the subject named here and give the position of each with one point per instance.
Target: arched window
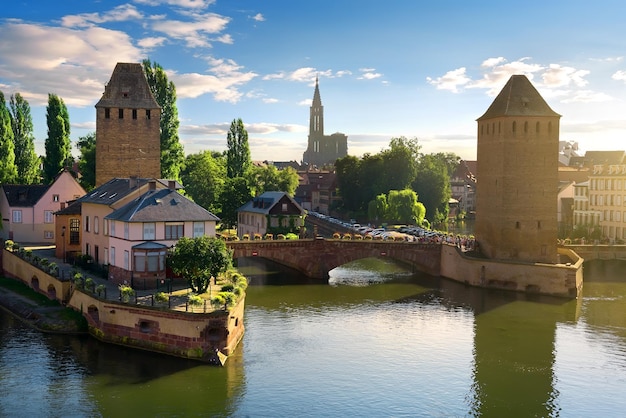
(514, 126)
(537, 127)
(526, 127)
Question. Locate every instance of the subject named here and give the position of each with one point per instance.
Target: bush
(194, 300)
(161, 297)
(280, 236)
(268, 237)
(100, 290)
(8, 245)
(89, 284)
(126, 292)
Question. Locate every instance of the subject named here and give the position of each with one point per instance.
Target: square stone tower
(127, 127)
(517, 176)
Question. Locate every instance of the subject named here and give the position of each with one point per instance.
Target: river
(376, 341)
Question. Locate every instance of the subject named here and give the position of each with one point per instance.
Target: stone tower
(127, 127)
(322, 149)
(517, 176)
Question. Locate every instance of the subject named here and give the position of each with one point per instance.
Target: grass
(23, 290)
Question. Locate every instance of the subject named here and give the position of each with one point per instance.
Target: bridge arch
(316, 257)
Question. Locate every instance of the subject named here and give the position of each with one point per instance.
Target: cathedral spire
(317, 100)
(316, 121)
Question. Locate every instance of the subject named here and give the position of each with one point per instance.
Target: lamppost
(63, 238)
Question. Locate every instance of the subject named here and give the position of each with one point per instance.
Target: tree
(164, 92)
(404, 207)
(432, 184)
(199, 259)
(399, 163)
(349, 182)
(26, 159)
(236, 193)
(87, 160)
(203, 176)
(57, 143)
(271, 179)
(378, 209)
(8, 169)
(238, 150)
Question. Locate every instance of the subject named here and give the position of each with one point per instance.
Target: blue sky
(419, 69)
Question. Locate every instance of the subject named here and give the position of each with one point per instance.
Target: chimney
(171, 184)
(152, 185)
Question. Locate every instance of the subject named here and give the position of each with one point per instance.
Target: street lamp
(63, 238)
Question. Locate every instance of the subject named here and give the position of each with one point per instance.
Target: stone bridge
(599, 251)
(316, 257)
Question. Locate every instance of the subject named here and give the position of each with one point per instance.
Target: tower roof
(317, 100)
(518, 98)
(128, 88)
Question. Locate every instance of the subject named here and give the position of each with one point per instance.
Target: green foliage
(236, 193)
(8, 244)
(404, 207)
(270, 179)
(8, 169)
(57, 143)
(199, 259)
(100, 290)
(224, 300)
(126, 293)
(26, 160)
(195, 300)
(161, 297)
(204, 175)
(238, 150)
(164, 91)
(378, 209)
(432, 184)
(87, 160)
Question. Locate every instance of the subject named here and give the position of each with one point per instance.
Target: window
(55, 197)
(139, 261)
(96, 225)
(284, 207)
(173, 231)
(17, 216)
(147, 113)
(48, 234)
(126, 230)
(120, 113)
(198, 229)
(107, 113)
(105, 259)
(112, 228)
(149, 230)
(87, 249)
(112, 256)
(86, 223)
(126, 260)
(134, 113)
(105, 226)
(74, 231)
(48, 218)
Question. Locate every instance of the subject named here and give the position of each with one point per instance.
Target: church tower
(517, 176)
(322, 149)
(127, 127)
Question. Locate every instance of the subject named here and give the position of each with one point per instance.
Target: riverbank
(37, 311)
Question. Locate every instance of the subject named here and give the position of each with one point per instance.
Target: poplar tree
(238, 151)
(26, 159)
(8, 170)
(58, 141)
(87, 160)
(164, 92)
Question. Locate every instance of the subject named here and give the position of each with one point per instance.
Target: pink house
(130, 223)
(28, 210)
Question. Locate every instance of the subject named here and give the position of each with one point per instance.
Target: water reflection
(392, 343)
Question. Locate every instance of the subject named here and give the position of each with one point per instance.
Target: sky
(413, 68)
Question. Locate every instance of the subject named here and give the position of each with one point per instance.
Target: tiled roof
(74, 208)
(518, 98)
(128, 88)
(265, 202)
(19, 195)
(116, 188)
(161, 205)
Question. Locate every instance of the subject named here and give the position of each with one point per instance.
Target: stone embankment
(53, 319)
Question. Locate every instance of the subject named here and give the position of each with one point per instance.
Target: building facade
(28, 210)
(607, 198)
(127, 127)
(271, 212)
(517, 176)
(322, 150)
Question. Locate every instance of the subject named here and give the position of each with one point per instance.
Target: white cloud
(151, 42)
(72, 63)
(368, 74)
(619, 76)
(258, 17)
(191, 4)
(195, 32)
(270, 100)
(587, 96)
(558, 76)
(118, 14)
(450, 80)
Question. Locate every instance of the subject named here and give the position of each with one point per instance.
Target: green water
(377, 341)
